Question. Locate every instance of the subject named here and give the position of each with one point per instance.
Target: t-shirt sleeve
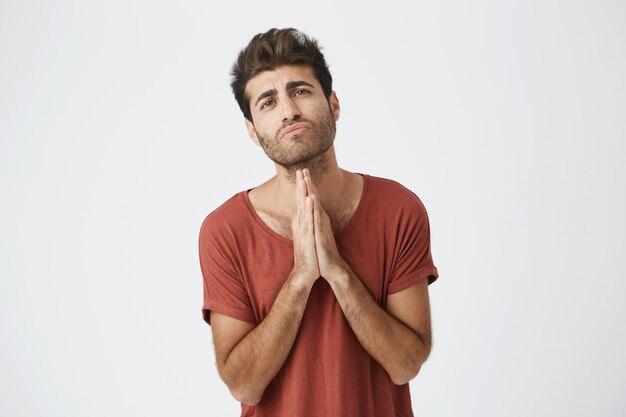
(413, 259)
(224, 289)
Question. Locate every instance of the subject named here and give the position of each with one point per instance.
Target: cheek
(267, 131)
(265, 122)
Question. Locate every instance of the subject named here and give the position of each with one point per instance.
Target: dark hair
(268, 51)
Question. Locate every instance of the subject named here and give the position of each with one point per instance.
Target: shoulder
(399, 210)
(226, 219)
(392, 195)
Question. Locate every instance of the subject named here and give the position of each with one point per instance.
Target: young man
(315, 282)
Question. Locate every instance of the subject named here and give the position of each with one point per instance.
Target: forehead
(277, 79)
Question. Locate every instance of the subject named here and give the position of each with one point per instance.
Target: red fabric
(327, 372)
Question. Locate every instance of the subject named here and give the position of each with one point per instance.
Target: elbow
(412, 366)
(245, 394)
(241, 391)
(405, 377)
(245, 397)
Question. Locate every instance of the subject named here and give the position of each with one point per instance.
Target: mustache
(287, 125)
(293, 122)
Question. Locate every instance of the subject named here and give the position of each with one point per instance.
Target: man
(315, 282)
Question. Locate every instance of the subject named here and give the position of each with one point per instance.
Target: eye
(266, 104)
(301, 92)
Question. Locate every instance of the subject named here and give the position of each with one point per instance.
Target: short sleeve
(224, 289)
(413, 259)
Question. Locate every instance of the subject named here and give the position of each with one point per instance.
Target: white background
(119, 134)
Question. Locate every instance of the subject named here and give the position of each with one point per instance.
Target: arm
(248, 359)
(400, 342)
(398, 339)
(249, 366)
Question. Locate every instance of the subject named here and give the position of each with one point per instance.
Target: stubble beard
(298, 151)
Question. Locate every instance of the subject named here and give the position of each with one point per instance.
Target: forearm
(258, 357)
(397, 348)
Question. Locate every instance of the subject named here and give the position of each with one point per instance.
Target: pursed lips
(293, 129)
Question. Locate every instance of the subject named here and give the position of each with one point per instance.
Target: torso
(280, 221)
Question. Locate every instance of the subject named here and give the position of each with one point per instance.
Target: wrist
(338, 272)
(301, 280)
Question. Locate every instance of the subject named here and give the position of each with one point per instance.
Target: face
(294, 122)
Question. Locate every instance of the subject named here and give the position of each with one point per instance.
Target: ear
(252, 132)
(334, 104)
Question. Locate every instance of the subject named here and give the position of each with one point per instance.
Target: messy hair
(268, 51)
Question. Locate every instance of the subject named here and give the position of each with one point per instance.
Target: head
(272, 49)
(284, 89)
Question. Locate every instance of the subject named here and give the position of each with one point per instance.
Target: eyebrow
(289, 86)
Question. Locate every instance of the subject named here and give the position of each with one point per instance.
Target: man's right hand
(305, 267)
(249, 356)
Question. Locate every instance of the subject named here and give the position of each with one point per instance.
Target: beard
(302, 150)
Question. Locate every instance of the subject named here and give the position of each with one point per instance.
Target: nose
(289, 109)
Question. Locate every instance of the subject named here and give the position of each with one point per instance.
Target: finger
(306, 185)
(316, 215)
(299, 215)
(306, 182)
(297, 194)
(309, 180)
(313, 191)
(308, 215)
(303, 186)
(311, 222)
(300, 189)
(309, 185)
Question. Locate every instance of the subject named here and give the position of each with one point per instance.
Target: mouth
(294, 129)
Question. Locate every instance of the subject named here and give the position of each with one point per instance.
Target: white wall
(119, 134)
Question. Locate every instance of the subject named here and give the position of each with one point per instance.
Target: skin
(309, 200)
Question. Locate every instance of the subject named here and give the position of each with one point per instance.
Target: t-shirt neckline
(280, 238)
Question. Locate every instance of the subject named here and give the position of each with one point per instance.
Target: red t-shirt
(327, 372)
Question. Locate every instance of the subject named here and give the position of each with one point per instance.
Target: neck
(328, 178)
